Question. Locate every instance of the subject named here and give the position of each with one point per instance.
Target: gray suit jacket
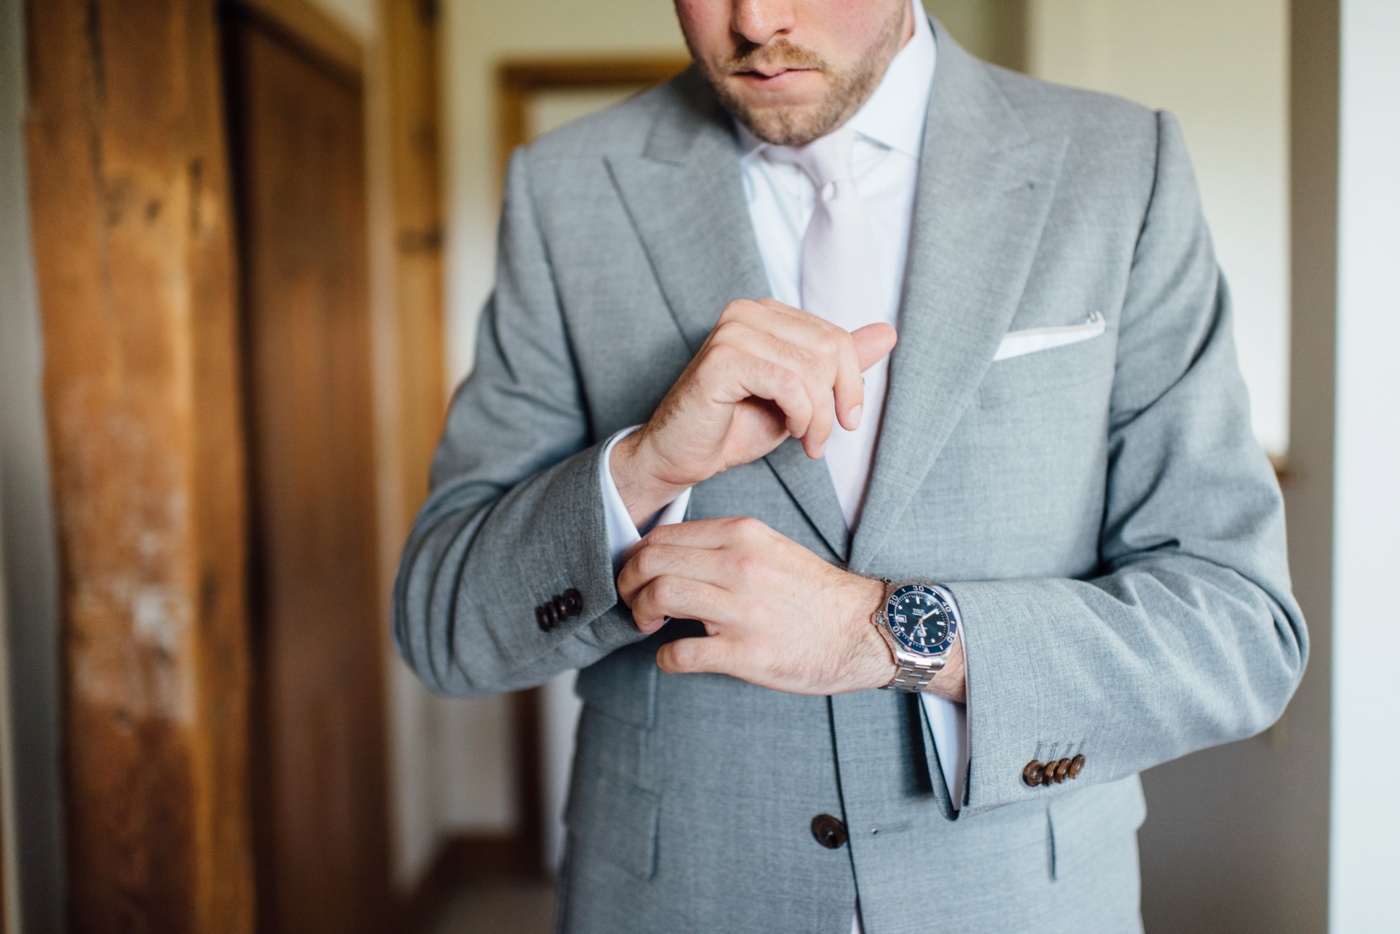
(1101, 511)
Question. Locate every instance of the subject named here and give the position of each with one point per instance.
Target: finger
(679, 596)
(731, 531)
(816, 367)
(701, 654)
(655, 559)
(849, 388)
(819, 427)
(873, 343)
(837, 350)
(754, 376)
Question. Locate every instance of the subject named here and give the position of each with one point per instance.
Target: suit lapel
(985, 188)
(685, 197)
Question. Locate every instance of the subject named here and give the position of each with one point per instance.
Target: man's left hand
(777, 615)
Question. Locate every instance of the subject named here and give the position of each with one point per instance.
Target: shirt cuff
(947, 721)
(622, 534)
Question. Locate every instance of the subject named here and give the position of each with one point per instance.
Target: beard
(797, 125)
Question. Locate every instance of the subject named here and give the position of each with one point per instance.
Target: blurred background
(243, 247)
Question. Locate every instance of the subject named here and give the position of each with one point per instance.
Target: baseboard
(462, 861)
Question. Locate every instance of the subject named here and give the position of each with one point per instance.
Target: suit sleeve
(516, 514)
(1189, 635)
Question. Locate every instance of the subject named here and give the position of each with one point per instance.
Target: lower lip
(781, 80)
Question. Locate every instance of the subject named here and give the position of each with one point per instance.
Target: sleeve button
(1034, 773)
(1076, 765)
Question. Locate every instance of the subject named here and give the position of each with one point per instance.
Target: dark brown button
(1034, 773)
(1076, 765)
(542, 618)
(573, 602)
(829, 831)
(561, 608)
(1061, 770)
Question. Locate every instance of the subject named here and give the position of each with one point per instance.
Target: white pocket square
(1019, 343)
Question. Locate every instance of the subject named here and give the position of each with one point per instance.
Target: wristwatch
(920, 623)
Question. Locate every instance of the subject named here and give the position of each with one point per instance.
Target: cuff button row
(550, 614)
(1053, 772)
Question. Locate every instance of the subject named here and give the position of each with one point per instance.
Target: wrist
(642, 492)
(879, 666)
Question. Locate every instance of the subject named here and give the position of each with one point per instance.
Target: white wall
(1222, 68)
(1365, 862)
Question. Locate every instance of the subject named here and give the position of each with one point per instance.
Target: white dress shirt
(885, 165)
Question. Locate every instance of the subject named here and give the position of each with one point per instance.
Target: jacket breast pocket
(1032, 363)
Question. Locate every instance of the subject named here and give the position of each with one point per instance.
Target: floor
(499, 908)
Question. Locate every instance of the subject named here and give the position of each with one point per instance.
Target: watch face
(921, 619)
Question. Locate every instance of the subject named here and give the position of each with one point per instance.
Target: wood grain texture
(415, 159)
(311, 26)
(133, 249)
(318, 631)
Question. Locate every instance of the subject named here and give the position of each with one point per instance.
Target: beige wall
(1222, 69)
(359, 17)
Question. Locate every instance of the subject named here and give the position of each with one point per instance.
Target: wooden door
(319, 782)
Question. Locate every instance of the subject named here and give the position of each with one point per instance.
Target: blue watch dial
(921, 619)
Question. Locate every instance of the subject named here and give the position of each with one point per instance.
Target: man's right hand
(765, 372)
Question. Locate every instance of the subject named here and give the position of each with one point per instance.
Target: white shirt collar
(894, 115)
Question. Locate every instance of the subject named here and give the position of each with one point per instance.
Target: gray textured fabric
(1111, 530)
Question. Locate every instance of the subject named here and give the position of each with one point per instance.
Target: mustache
(772, 57)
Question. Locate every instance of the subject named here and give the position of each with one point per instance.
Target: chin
(786, 125)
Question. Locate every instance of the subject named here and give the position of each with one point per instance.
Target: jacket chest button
(829, 831)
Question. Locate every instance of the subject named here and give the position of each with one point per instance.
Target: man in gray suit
(1042, 520)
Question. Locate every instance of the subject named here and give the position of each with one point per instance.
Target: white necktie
(841, 283)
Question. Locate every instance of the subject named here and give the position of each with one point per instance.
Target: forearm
(1162, 657)
(479, 561)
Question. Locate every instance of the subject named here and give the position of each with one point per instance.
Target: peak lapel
(685, 197)
(984, 192)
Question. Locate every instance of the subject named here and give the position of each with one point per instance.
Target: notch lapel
(685, 198)
(984, 192)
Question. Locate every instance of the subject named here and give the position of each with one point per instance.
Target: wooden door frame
(133, 250)
(131, 214)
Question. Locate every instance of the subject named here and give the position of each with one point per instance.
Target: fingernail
(855, 417)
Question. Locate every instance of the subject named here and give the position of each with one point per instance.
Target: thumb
(873, 343)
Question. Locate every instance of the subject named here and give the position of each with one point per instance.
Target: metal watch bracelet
(913, 676)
